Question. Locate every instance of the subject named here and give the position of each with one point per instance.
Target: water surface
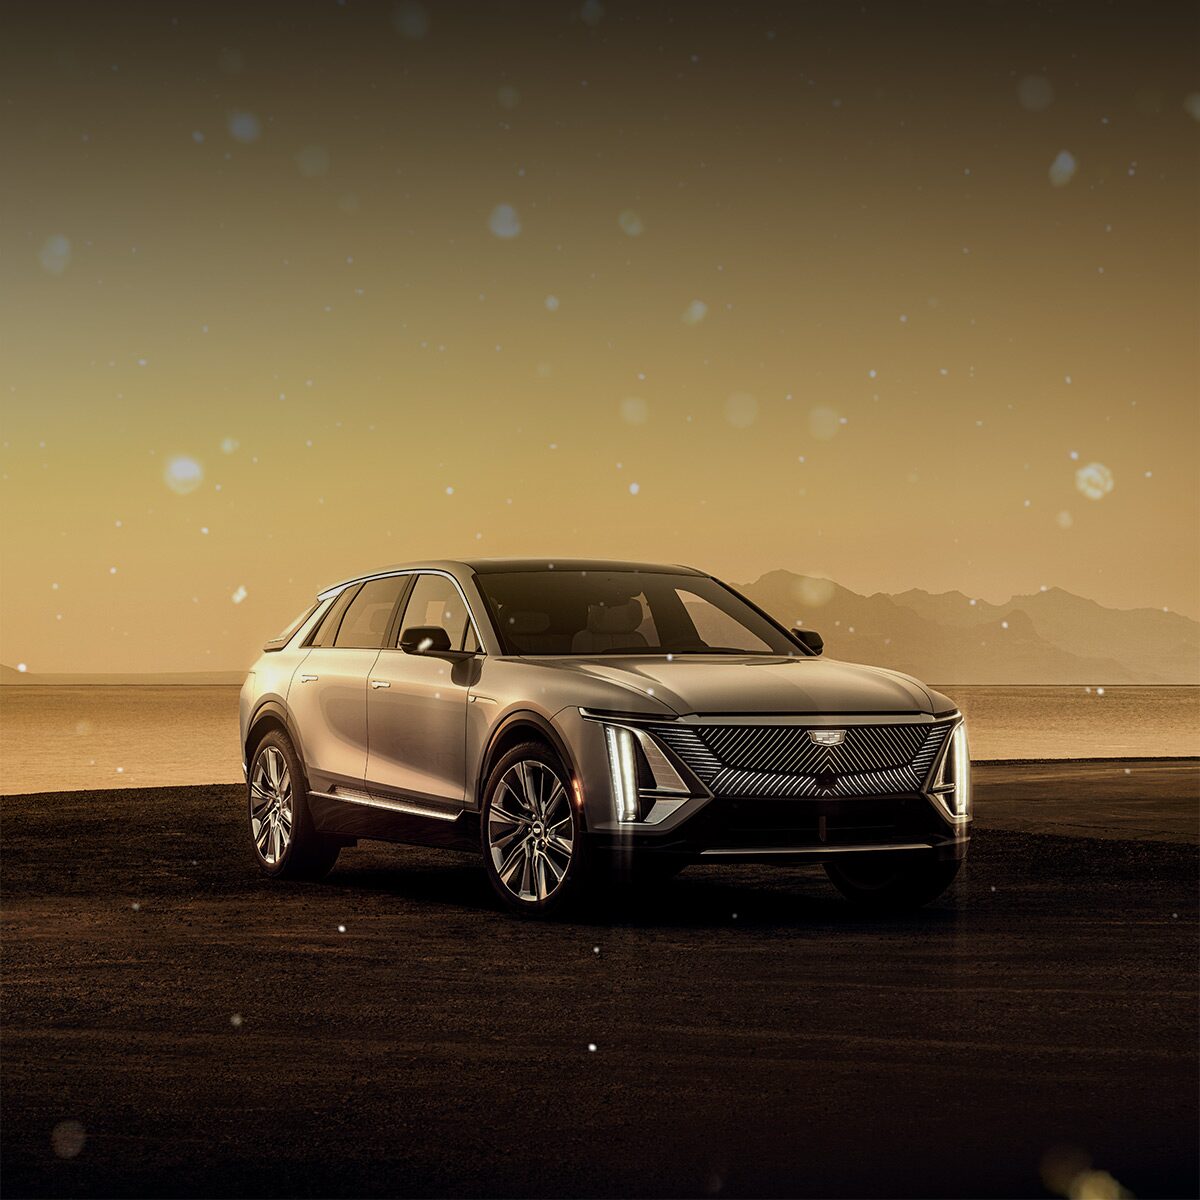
(70, 738)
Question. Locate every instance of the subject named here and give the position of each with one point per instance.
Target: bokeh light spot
(1095, 480)
(631, 223)
(1062, 169)
(68, 1138)
(741, 410)
(823, 423)
(410, 20)
(1035, 93)
(813, 592)
(313, 162)
(635, 410)
(55, 254)
(504, 222)
(183, 474)
(244, 127)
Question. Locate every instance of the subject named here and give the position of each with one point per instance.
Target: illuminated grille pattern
(782, 760)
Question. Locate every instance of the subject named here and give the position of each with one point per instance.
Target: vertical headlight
(952, 785)
(622, 766)
(962, 772)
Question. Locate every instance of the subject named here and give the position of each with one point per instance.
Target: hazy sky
(855, 290)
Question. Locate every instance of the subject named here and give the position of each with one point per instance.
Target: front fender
(505, 732)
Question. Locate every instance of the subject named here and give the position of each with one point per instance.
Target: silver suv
(582, 723)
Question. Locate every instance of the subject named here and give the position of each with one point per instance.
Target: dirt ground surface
(173, 1024)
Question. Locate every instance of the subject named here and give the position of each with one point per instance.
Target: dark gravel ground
(753, 1035)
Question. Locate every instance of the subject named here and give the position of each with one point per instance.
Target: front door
(328, 694)
(417, 704)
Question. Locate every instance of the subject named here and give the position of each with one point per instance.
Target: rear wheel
(534, 843)
(286, 843)
(891, 881)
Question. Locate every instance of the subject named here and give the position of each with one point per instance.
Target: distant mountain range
(1047, 638)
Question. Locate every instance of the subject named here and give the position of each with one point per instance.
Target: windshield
(625, 612)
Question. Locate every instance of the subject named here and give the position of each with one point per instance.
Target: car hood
(720, 684)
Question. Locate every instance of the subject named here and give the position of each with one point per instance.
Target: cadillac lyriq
(586, 725)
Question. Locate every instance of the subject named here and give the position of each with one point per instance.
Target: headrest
(616, 618)
(528, 622)
(377, 621)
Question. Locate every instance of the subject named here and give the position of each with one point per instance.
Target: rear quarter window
(280, 640)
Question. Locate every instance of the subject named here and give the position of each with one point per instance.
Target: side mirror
(424, 639)
(810, 639)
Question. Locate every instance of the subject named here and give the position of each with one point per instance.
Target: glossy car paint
(429, 737)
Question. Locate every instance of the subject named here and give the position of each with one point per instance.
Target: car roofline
(491, 566)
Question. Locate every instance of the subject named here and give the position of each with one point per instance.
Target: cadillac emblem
(827, 737)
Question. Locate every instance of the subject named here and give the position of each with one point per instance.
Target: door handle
(378, 683)
(309, 678)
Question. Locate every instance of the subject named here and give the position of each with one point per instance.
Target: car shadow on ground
(764, 898)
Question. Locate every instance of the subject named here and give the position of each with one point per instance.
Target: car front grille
(782, 760)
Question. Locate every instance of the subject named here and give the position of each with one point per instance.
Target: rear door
(417, 703)
(328, 695)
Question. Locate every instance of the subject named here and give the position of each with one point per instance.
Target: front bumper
(767, 830)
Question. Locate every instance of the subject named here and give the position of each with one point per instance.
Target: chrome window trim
(341, 587)
(301, 636)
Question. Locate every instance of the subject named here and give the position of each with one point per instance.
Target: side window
(364, 627)
(327, 630)
(435, 601)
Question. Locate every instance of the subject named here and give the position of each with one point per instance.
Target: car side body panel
(328, 701)
(417, 725)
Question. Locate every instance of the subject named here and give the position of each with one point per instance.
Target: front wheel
(534, 842)
(891, 881)
(286, 843)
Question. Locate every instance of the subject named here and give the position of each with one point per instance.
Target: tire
(285, 842)
(528, 812)
(897, 882)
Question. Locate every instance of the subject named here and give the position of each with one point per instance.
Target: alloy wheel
(531, 831)
(271, 805)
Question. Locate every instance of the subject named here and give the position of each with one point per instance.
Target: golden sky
(855, 291)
